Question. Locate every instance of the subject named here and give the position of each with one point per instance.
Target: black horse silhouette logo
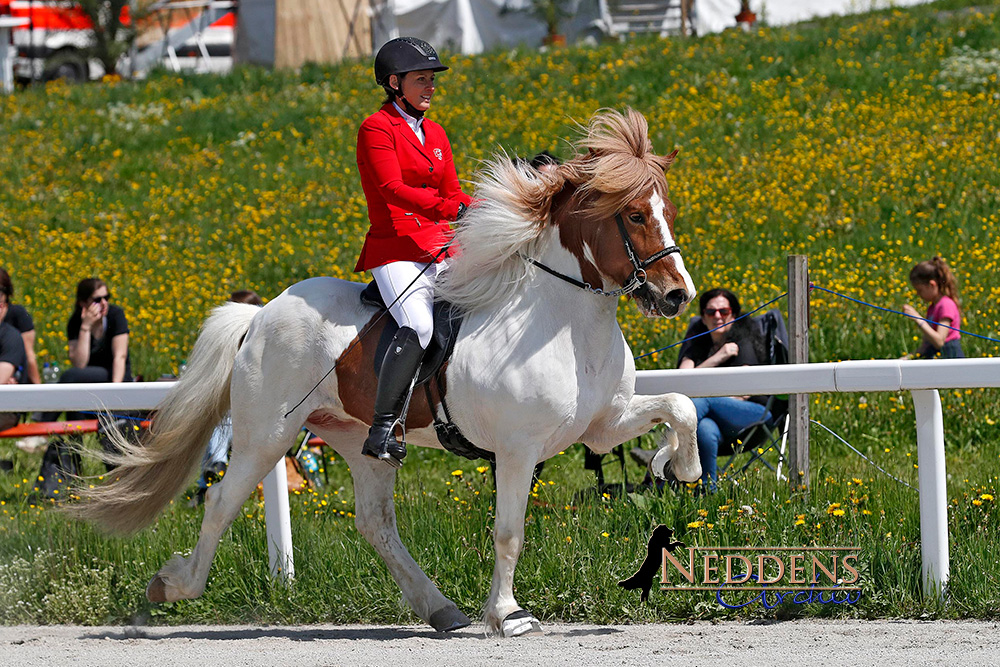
(662, 538)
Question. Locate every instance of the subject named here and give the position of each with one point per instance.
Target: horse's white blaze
(659, 206)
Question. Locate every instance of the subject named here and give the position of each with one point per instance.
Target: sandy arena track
(789, 643)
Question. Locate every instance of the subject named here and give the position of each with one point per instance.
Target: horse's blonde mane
(614, 160)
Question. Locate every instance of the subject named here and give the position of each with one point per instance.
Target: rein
(635, 280)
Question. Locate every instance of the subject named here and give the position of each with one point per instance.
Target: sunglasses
(724, 312)
(98, 299)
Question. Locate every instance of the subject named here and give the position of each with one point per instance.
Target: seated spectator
(12, 363)
(216, 457)
(98, 337)
(730, 343)
(19, 318)
(98, 348)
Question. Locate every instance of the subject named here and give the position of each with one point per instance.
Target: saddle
(447, 323)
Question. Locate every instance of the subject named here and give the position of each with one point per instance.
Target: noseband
(635, 280)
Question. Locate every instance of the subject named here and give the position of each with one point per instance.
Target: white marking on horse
(658, 206)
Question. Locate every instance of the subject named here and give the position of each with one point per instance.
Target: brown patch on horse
(578, 228)
(580, 224)
(357, 383)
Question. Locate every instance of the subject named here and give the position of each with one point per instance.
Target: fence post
(933, 491)
(798, 405)
(277, 522)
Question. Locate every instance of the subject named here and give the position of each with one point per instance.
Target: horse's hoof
(156, 591)
(448, 619)
(520, 623)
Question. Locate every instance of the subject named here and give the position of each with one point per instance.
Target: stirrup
(388, 449)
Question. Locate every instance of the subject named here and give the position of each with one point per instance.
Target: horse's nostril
(676, 297)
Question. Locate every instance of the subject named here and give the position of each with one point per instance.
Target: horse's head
(615, 215)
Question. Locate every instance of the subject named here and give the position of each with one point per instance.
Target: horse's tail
(151, 473)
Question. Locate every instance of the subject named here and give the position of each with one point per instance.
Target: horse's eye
(637, 218)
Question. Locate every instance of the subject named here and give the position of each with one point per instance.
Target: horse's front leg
(644, 413)
(504, 616)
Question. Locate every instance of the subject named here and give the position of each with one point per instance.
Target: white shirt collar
(416, 124)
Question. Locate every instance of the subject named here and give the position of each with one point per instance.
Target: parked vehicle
(58, 40)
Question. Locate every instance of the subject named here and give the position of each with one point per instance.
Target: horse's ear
(668, 160)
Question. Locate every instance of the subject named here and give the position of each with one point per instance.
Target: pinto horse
(540, 364)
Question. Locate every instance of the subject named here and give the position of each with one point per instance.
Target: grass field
(866, 143)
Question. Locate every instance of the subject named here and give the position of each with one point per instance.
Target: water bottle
(182, 368)
(49, 376)
(310, 463)
(55, 371)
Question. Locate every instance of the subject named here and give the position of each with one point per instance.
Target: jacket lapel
(403, 128)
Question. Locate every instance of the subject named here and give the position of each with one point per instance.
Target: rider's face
(418, 88)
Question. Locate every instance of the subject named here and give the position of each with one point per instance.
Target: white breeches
(415, 309)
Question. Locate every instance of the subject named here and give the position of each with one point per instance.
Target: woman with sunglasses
(98, 337)
(98, 349)
(726, 343)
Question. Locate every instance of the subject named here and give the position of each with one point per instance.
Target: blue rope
(890, 310)
(705, 333)
(101, 414)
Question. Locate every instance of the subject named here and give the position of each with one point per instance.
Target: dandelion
(456, 473)
(696, 524)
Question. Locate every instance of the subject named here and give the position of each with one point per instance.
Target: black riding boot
(401, 363)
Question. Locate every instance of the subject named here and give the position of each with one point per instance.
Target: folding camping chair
(763, 437)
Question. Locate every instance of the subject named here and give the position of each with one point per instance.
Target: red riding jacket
(411, 188)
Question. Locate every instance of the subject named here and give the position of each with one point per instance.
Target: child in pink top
(935, 283)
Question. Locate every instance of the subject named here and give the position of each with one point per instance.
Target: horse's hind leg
(375, 518)
(184, 578)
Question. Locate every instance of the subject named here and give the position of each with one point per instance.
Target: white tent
(472, 26)
(717, 15)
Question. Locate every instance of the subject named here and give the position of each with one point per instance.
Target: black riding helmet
(402, 55)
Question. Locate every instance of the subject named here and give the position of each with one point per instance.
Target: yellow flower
(456, 473)
(986, 496)
(696, 524)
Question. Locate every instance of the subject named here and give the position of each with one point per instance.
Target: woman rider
(412, 191)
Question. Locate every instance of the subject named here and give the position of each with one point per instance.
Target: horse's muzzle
(670, 304)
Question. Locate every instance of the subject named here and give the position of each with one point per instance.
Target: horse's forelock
(619, 165)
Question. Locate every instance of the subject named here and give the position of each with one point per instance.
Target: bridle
(635, 280)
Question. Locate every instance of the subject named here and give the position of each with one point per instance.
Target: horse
(540, 363)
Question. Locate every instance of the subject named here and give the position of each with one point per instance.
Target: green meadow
(866, 143)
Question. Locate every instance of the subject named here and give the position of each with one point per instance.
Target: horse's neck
(567, 304)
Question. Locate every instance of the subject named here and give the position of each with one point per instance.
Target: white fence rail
(922, 378)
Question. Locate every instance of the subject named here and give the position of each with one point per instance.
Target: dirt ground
(789, 643)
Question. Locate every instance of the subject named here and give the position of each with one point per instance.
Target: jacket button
(423, 185)
(430, 170)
